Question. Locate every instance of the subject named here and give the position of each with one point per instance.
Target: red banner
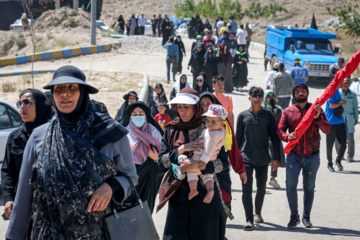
(328, 93)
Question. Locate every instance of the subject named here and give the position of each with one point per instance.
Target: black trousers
(141, 30)
(154, 29)
(337, 132)
(261, 178)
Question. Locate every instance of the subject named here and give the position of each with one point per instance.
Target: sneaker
(306, 222)
(351, 160)
(294, 221)
(330, 168)
(258, 218)
(338, 164)
(248, 226)
(274, 183)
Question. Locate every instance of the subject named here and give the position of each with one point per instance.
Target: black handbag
(131, 223)
(338, 112)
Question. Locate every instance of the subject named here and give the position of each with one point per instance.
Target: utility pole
(76, 5)
(93, 22)
(57, 4)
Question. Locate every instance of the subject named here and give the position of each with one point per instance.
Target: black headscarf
(70, 167)
(43, 112)
(146, 110)
(159, 97)
(204, 88)
(121, 113)
(211, 96)
(104, 129)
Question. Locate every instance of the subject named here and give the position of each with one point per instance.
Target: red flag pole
(329, 92)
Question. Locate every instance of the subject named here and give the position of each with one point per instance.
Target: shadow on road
(315, 230)
(348, 172)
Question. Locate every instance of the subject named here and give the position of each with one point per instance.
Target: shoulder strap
(133, 191)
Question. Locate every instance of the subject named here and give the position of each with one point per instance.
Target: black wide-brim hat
(70, 74)
(126, 96)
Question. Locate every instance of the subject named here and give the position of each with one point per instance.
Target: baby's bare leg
(193, 189)
(209, 183)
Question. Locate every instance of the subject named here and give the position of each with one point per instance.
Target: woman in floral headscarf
(76, 164)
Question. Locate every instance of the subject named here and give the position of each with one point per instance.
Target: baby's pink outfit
(213, 141)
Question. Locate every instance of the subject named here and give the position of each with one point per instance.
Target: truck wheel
(273, 61)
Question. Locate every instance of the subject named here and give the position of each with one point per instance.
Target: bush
(62, 42)
(40, 47)
(20, 42)
(71, 19)
(105, 34)
(9, 87)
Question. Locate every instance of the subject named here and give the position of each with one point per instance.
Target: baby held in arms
(214, 138)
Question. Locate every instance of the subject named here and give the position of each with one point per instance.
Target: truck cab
(311, 46)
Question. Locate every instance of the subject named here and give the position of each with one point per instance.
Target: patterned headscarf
(69, 169)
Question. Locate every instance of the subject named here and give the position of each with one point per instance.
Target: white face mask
(138, 121)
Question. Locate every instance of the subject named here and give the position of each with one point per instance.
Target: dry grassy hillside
(299, 11)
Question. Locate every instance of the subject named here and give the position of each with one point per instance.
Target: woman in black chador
(240, 71)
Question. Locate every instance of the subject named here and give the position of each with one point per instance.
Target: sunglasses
(25, 103)
(257, 96)
(199, 80)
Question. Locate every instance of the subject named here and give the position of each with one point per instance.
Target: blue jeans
(310, 166)
(170, 61)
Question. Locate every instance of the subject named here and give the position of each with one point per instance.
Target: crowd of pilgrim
(69, 159)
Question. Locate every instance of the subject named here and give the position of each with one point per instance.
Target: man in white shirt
(270, 78)
(141, 23)
(241, 36)
(219, 25)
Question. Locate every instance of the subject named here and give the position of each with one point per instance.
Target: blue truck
(311, 46)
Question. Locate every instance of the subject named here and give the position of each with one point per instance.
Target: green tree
(349, 19)
(186, 9)
(255, 10)
(228, 8)
(207, 9)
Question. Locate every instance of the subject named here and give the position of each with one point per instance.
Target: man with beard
(304, 156)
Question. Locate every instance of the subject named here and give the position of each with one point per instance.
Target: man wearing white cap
(142, 21)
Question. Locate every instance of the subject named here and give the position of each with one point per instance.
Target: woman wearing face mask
(75, 165)
(269, 104)
(129, 98)
(33, 114)
(145, 140)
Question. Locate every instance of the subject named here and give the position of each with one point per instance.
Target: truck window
(313, 47)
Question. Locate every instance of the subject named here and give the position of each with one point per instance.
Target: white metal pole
(93, 22)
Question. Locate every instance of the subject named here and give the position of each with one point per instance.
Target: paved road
(335, 212)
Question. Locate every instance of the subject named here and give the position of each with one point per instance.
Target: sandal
(258, 218)
(248, 226)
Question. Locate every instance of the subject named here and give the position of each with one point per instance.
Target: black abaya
(239, 73)
(149, 181)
